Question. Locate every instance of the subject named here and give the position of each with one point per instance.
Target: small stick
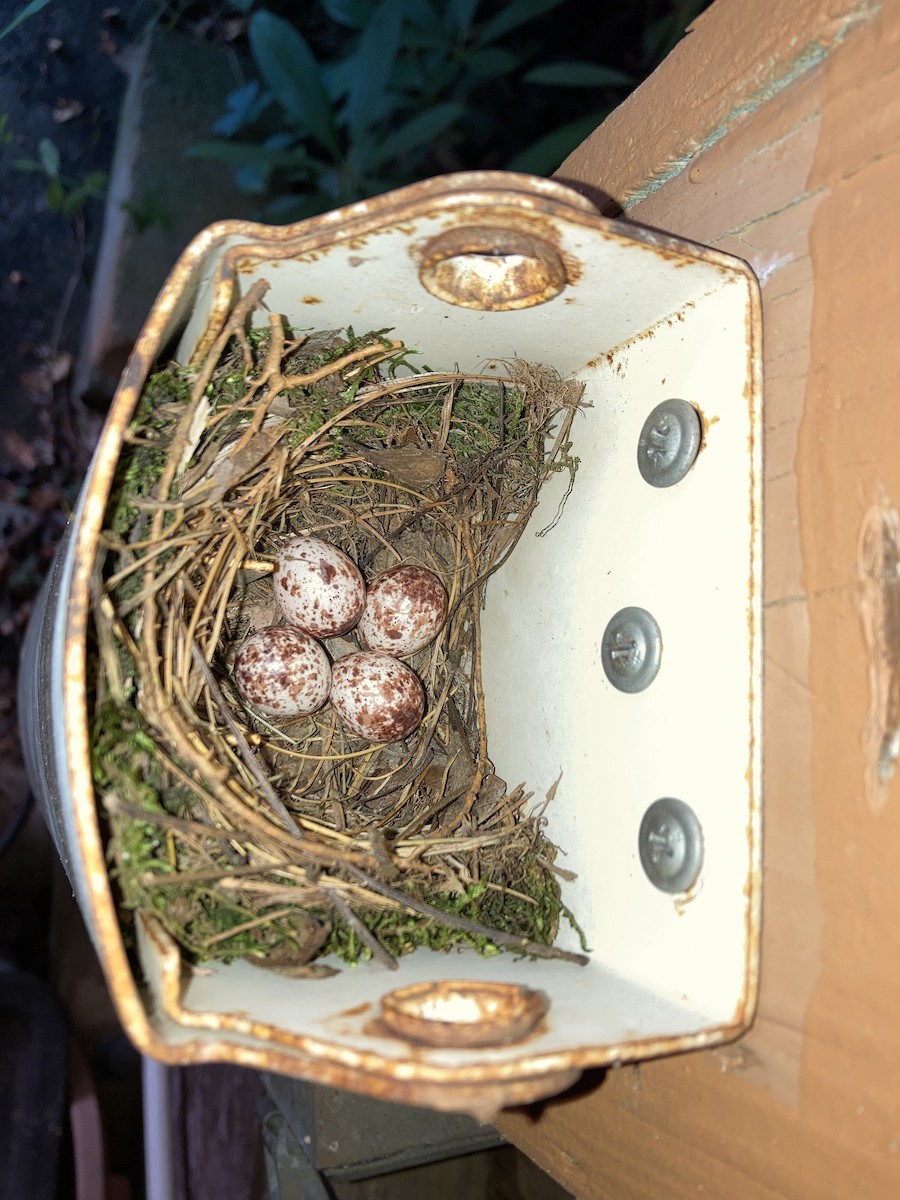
(246, 926)
(275, 801)
(365, 936)
(537, 949)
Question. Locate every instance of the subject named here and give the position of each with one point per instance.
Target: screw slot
(669, 443)
(670, 844)
(631, 650)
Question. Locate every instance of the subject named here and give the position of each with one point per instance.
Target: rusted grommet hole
(491, 269)
(454, 1012)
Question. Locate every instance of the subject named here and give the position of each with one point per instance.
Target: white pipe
(159, 1166)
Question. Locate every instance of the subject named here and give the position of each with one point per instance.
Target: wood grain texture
(804, 185)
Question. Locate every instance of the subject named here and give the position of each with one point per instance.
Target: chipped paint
(878, 569)
(810, 57)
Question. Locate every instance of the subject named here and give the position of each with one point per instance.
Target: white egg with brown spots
(318, 587)
(282, 672)
(406, 607)
(376, 697)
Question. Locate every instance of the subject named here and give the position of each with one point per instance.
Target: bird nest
(288, 841)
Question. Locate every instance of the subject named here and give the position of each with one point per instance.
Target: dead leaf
(409, 465)
(66, 109)
(300, 971)
(58, 365)
(230, 468)
(19, 450)
(38, 382)
(107, 44)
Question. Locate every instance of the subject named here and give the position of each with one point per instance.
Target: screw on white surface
(670, 844)
(631, 649)
(669, 443)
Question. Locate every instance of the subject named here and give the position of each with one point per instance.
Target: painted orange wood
(779, 139)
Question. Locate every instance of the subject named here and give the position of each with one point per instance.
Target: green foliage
(138, 472)
(147, 211)
(29, 10)
(63, 195)
(408, 88)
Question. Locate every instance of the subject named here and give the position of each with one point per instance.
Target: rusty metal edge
(310, 1058)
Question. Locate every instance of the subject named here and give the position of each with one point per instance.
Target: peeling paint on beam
(814, 54)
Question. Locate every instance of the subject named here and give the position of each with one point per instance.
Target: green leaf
(91, 187)
(492, 62)
(374, 58)
(49, 155)
(338, 77)
(352, 13)
(28, 11)
(520, 12)
(56, 197)
(422, 38)
(578, 74)
(252, 180)
(242, 107)
(417, 133)
(292, 74)
(460, 15)
(544, 156)
(422, 14)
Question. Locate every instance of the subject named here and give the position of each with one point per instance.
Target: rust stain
(745, 1009)
(356, 1011)
(878, 569)
(706, 423)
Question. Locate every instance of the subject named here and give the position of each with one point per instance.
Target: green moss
(140, 466)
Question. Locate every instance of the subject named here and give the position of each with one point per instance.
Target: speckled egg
(405, 609)
(282, 672)
(318, 587)
(376, 697)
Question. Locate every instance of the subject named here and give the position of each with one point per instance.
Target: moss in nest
(139, 471)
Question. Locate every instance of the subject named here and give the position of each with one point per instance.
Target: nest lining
(288, 841)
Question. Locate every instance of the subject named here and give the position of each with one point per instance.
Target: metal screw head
(631, 650)
(669, 443)
(670, 844)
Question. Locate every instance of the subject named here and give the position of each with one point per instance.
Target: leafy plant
(29, 10)
(405, 93)
(63, 195)
(148, 210)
